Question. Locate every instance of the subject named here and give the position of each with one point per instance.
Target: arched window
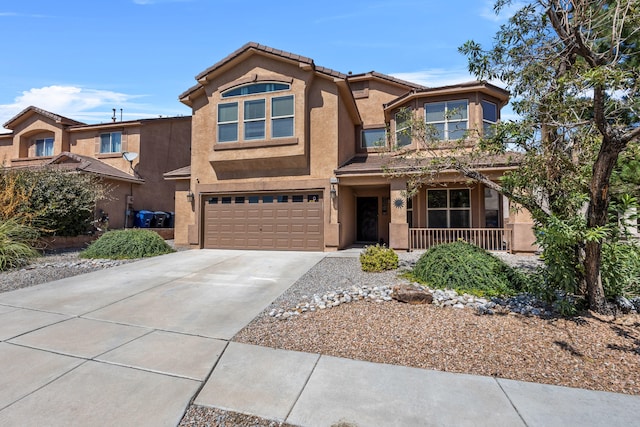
(254, 88)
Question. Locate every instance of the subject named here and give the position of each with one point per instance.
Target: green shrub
(620, 269)
(127, 244)
(467, 269)
(55, 201)
(16, 241)
(378, 258)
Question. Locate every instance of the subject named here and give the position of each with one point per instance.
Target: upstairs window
(282, 116)
(260, 118)
(254, 119)
(403, 129)
(373, 138)
(111, 142)
(449, 118)
(489, 117)
(44, 147)
(228, 122)
(255, 88)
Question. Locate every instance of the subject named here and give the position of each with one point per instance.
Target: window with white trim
(228, 122)
(254, 119)
(373, 138)
(111, 142)
(44, 147)
(489, 117)
(449, 208)
(403, 129)
(272, 115)
(282, 115)
(449, 119)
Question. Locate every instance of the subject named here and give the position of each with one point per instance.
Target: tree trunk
(593, 278)
(597, 217)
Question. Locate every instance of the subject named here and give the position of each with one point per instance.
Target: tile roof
(77, 162)
(376, 164)
(387, 78)
(56, 117)
(266, 49)
(462, 87)
(182, 173)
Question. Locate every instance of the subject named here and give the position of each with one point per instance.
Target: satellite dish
(129, 156)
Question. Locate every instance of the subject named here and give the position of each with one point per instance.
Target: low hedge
(467, 268)
(127, 244)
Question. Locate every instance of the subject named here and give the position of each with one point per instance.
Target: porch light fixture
(190, 196)
(333, 181)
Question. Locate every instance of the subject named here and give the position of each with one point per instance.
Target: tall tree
(573, 67)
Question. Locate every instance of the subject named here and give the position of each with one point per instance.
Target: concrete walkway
(135, 344)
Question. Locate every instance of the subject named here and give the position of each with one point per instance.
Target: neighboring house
(285, 155)
(40, 138)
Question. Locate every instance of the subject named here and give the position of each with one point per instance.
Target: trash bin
(169, 221)
(159, 219)
(143, 219)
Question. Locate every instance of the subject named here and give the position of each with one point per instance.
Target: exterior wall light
(333, 181)
(190, 196)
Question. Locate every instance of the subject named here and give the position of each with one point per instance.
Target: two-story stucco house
(285, 155)
(39, 137)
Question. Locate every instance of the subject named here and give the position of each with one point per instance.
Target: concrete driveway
(131, 345)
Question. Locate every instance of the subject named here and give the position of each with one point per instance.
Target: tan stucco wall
(86, 142)
(162, 145)
(521, 222)
(6, 150)
(306, 162)
(115, 205)
(184, 213)
(25, 133)
(371, 106)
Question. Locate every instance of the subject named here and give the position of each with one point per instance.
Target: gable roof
(181, 173)
(476, 85)
(385, 77)
(304, 62)
(77, 162)
(35, 110)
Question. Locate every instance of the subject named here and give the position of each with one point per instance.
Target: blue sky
(82, 58)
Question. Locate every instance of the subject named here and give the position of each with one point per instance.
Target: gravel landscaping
(590, 351)
(52, 266)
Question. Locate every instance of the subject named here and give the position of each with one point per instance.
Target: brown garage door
(282, 221)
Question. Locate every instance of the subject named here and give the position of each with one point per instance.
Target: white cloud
(436, 77)
(82, 104)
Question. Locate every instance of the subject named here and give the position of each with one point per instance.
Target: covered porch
(374, 208)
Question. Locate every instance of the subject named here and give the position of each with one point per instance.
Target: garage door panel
(287, 221)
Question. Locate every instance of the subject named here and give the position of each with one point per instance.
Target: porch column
(398, 228)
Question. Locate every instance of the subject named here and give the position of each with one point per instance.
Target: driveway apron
(131, 345)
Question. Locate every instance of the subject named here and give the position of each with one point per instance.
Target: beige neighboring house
(39, 137)
(285, 156)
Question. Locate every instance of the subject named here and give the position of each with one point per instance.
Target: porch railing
(491, 239)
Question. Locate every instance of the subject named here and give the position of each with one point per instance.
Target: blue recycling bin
(143, 219)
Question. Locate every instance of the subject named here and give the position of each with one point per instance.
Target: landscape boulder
(411, 294)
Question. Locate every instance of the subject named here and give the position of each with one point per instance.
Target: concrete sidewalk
(135, 344)
(314, 390)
